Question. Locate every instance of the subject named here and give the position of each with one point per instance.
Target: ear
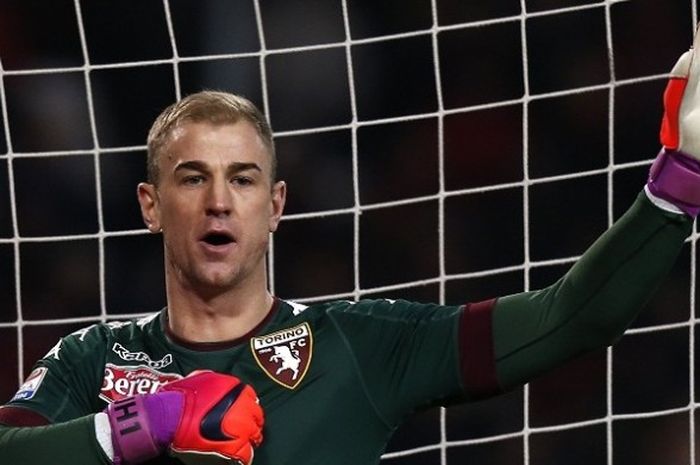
(150, 208)
(279, 197)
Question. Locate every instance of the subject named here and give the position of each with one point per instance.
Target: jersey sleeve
(405, 353)
(411, 355)
(592, 305)
(64, 384)
(69, 443)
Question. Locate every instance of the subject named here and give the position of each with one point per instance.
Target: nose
(219, 202)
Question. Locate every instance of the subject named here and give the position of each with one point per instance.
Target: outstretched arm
(593, 304)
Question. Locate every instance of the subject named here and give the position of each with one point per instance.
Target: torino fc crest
(284, 355)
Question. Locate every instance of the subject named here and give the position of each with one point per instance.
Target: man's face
(215, 203)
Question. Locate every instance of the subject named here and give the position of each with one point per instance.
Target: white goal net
(435, 150)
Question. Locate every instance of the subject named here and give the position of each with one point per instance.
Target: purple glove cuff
(144, 426)
(675, 177)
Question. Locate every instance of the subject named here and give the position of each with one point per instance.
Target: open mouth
(217, 238)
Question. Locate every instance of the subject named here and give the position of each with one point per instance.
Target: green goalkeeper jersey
(335, 379)
(328, 371)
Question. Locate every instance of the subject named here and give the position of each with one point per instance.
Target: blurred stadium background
(442, 150)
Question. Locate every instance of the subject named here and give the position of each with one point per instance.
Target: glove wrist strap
(131, 434)
(675, 177)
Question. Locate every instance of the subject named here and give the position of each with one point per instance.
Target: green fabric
(70, 443)
(598, 298)
(407, 355)
(371, 363)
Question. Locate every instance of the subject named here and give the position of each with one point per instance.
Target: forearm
(70, 443)
(594, 302)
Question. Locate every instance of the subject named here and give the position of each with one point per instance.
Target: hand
(675, 175)
(145, 426)
(222, 420)
(680, 126)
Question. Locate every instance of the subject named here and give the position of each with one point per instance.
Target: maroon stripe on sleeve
(17, 416)
(476, 349)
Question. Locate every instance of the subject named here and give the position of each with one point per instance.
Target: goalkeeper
(229, 374)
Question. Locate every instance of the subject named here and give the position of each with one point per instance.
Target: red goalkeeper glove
(222, 418)
(682, 103)
(675, 175)
(206, 417)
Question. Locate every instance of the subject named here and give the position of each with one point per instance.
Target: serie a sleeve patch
(31, 384)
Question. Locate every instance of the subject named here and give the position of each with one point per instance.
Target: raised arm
(593, 304)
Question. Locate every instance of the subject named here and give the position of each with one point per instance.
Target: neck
(215, 316)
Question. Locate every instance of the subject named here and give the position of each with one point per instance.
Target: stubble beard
(210, 279)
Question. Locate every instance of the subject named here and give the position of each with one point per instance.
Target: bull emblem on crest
(290, 360)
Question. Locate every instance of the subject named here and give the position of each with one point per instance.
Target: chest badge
(285, 355)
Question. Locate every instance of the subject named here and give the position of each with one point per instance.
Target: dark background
(501, 98)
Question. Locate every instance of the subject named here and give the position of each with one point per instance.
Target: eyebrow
(235, 167)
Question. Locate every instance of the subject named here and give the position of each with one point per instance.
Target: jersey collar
(220, 345)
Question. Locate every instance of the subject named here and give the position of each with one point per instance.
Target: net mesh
(435, 151)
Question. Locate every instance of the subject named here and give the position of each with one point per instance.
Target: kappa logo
(121, 382)
(285, 355)
(124, 354)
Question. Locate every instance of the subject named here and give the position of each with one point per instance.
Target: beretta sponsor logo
(285, 355)
(120, 382)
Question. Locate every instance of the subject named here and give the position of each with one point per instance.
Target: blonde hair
(207, 106)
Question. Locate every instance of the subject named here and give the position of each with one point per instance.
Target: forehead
(215, 144)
